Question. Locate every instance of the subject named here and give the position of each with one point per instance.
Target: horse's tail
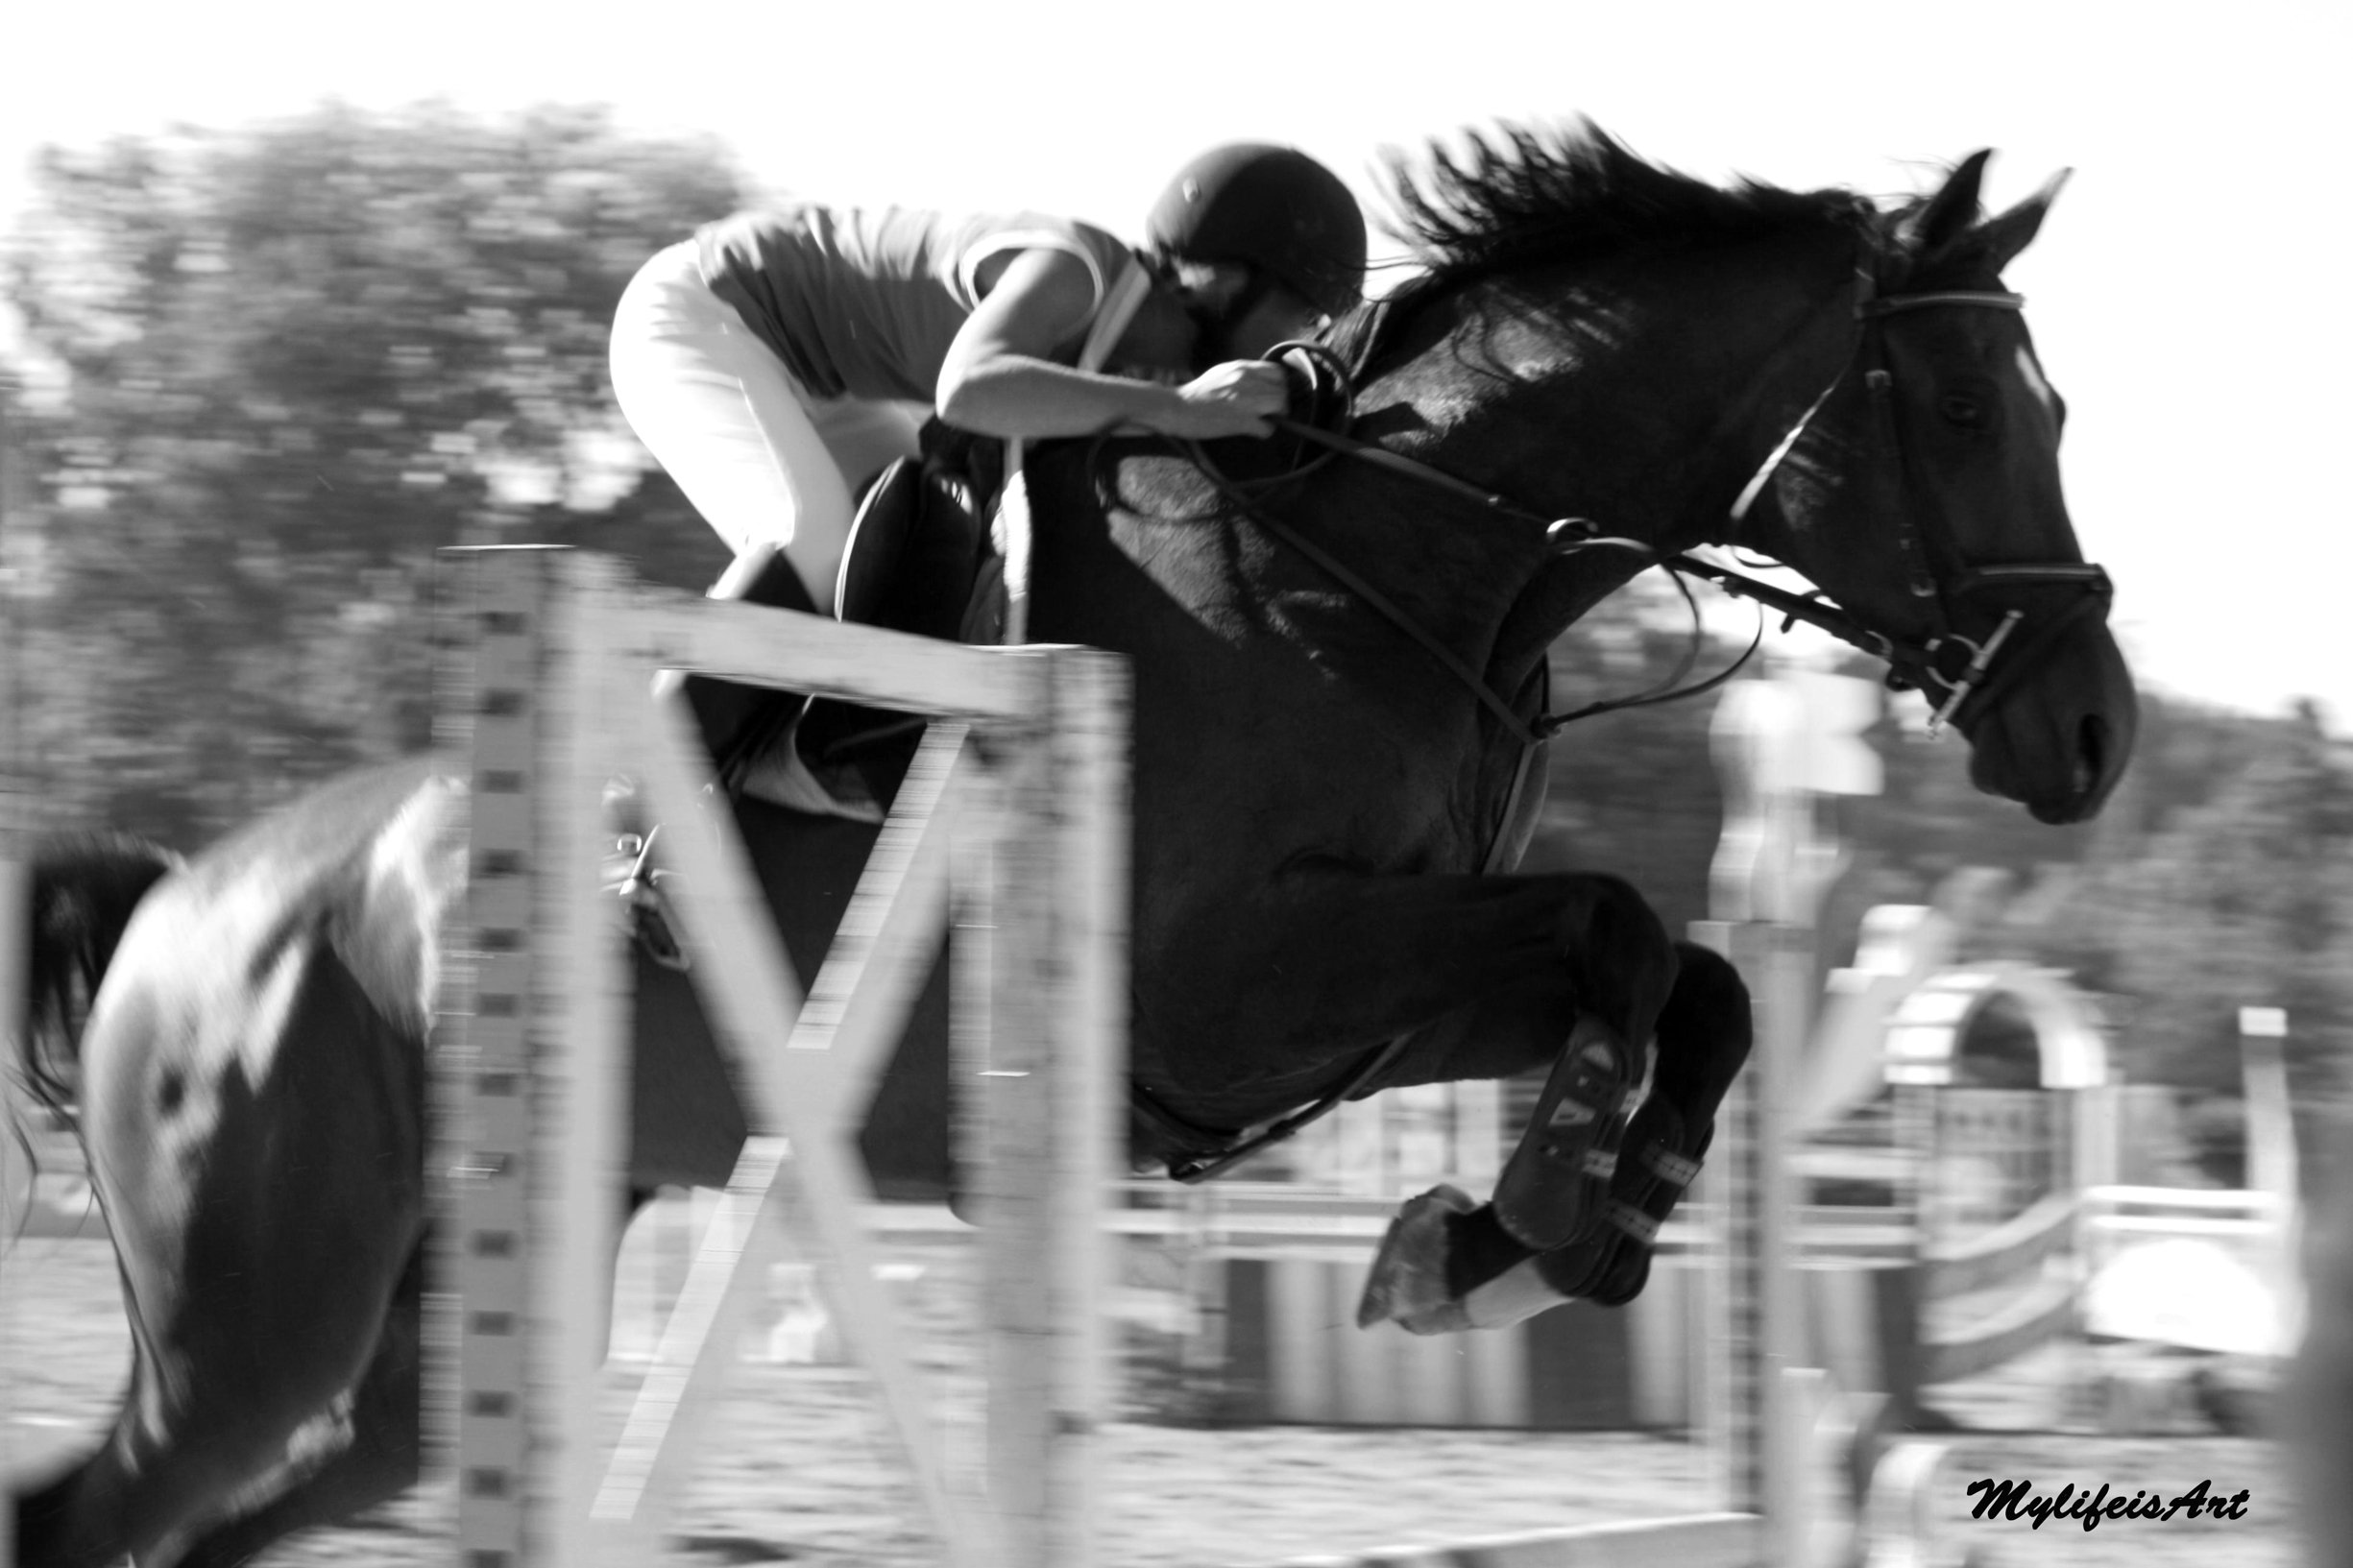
(84, 886)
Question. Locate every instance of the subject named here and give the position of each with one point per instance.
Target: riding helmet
(1270, 207)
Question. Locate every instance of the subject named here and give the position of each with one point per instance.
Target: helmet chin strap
(1215, 324)
(1257, 286)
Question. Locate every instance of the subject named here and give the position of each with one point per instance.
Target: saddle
(921, 560)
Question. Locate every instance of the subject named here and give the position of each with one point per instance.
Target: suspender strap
(1120, 303)
(1117, 309)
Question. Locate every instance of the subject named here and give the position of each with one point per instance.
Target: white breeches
(765, 461)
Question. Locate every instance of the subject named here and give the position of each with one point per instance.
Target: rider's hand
(1235, 399)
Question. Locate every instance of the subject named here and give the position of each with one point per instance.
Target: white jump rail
(1019, 838)
(15, 906)
(16, 909)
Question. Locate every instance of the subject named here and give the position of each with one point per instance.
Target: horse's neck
(1642, 407)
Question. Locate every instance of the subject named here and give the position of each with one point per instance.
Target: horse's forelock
(1909, 268)
(1908, 260)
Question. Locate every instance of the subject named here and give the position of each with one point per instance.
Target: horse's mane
(1518, 197)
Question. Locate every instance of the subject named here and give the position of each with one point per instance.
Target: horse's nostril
(2091, 754)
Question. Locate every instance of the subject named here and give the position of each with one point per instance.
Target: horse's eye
(1961, 409)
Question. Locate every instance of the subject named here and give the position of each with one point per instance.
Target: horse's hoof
(1407, 1285)
(1552, 1191)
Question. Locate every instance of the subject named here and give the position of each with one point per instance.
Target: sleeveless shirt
(865, 303)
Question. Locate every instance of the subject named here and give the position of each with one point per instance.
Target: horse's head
(1684, 332)
(1924, 498)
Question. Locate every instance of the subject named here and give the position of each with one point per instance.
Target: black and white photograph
(1504, 785)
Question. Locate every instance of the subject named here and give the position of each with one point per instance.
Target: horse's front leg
(1329, 962)
(1450, 1263)
(1488, 976)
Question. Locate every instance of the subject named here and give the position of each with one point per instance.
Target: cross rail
(1020, 841)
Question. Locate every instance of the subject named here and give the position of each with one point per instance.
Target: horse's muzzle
(2059, 739)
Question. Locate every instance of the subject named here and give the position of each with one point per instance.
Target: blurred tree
(1635, 793)
(2221, 874)
(277, 369)
(2244, 899)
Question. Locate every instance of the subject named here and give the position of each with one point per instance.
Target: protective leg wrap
(1658, 1164)
(1553, 1189)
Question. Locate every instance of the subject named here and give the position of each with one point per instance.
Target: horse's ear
(2004, 236)
(1951, 211)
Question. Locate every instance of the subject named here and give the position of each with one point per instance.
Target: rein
(1568, 534)
(1947, 663)
(1945, 660)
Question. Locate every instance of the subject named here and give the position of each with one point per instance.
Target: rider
(779, 360)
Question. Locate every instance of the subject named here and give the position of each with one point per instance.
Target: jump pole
(1780, 745)
(1024, 831)
(14, 899)
(16, 896)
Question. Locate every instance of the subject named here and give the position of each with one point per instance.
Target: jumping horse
(1338, 641)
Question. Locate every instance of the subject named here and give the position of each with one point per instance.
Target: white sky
(2189, 294)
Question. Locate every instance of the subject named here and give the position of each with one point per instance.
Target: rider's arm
(1000, 378)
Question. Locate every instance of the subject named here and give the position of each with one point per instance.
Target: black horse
(1338, 673)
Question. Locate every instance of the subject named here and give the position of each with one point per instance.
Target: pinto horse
(1337, 664)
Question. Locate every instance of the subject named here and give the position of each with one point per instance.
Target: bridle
(1961, 675)
(1950, 667)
